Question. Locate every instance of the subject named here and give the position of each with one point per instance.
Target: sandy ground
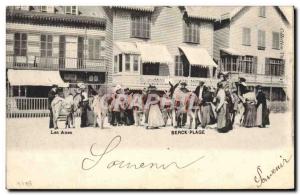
(36, 155)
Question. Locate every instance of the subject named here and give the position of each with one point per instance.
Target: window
(191, 32)
(127, 62)
(120, 62)
(274, 67)
(140, 26)
(135, 63)
(246, 36)
(275, 40)
(94, 48)
(243, 64)
(261, 40)
(21, 8)
(43, 8)
(262, 11)
(116, 67)
(46, 45)
(20, 44)
(178, 66)
(71, 10)
(62, 50)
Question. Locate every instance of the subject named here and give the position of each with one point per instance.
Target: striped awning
(34, 78)
(198, 56)
(231, 51)
(154, 53)
(126, 47)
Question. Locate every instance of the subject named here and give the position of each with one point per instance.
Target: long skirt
(250, 116)
(155, 118)
(262, 118)
(207, 115)
(223, 119)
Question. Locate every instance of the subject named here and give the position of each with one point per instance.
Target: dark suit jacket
(197, 90)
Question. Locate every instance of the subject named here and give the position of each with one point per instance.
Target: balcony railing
(161, 82)
(55, 63)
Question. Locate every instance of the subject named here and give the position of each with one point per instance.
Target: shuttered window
(127, 62)
(46, 45)
(43, 8)
(262, 11)
(246, 36)
(178, 66)
(94, 48)
(20, 44)
(274, 67)
(140, 26)
(191, 32)
(71, 10)
(135, 63)
(116, 65)
(275, 40)
(261, 40)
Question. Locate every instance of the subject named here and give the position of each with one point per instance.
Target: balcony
(260, 79)
(161, 82)
(55, 63)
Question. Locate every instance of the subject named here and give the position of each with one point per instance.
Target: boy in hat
(51, 96)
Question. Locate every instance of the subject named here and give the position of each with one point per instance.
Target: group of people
(224, 106)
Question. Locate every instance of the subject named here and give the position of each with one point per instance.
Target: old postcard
(150, 97)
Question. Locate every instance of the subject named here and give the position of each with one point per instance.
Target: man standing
(181, 115)
(200, 90)
(51, 96)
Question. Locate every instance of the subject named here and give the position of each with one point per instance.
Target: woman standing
(206, 112)
(262, 118)
(250, 110)
(155, 118)
(223, 117)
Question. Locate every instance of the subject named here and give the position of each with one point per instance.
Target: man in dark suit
(51, 96)
(200, 90)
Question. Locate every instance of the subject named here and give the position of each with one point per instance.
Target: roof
(91, 16)
(232, 51)
(127, 47)
(34, 78)
(198, 56)
(202, 12)
(137, 8)
(154, 53)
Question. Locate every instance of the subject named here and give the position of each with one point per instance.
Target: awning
(198, 56)
(154, 53)
(126, 47)
(34, 78)
(231, 51)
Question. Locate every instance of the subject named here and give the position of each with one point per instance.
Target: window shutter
(254, 65)
(282, 67)
(267, 66)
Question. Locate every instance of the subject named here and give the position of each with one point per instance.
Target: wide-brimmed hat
(152, 87)
(258, 87)
(54, 86)
(242, 79)
(183, 84)
(81, 85)
(225, 74)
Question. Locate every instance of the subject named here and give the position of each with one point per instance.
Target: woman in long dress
(223, 115)
(262, 118)
(206, 112)
(250, 110)
(155, 118)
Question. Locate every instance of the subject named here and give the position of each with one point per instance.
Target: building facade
(62, 45)
(250, 42)
(155, 45)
